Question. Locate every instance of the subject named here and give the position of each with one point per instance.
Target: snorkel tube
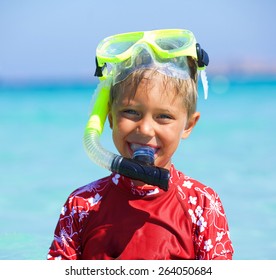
(132, 168)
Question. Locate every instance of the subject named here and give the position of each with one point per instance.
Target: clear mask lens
(172, 43)
(143, 57)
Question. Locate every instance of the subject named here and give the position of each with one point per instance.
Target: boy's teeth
(135, 147)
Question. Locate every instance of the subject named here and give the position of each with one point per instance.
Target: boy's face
(154, 116)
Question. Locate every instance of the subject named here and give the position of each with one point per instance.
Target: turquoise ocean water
(42, 160)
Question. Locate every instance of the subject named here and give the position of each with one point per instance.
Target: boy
(152, 104)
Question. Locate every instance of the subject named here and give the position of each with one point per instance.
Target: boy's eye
(165, 116)
(130, 111)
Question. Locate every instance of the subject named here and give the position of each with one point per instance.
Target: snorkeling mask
(166, 51)
(169, 49)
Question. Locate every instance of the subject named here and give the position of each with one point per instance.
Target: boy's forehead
(150, 81)
(150, 86)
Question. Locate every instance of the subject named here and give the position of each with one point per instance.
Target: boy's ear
(110, 119)
(190, 125)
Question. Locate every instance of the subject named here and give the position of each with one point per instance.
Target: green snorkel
(95, 125)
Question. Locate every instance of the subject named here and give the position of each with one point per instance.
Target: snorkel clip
(99, 69)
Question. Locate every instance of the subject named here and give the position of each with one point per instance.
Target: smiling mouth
(135, 146)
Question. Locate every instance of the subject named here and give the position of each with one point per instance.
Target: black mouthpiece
(137, 170)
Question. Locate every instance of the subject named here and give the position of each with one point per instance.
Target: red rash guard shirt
(112, 219)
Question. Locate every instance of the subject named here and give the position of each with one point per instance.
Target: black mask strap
(202, 56)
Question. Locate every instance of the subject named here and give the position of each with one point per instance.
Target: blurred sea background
(46, 87)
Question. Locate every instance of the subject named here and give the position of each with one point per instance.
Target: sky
(57, 39)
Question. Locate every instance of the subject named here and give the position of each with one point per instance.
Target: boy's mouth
(136, 146)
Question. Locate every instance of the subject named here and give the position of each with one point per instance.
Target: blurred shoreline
(237, 72)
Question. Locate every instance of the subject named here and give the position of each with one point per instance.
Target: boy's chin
(166, 165)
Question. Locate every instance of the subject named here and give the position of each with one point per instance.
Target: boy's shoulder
(92, 188)
(90, 194)
(190, 189)
(191, 185)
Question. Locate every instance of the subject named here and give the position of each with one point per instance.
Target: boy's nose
(146, 127)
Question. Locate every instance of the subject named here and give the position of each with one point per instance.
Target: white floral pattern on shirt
(210, 229)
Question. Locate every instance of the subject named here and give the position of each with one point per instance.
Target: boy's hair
(186, 88)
